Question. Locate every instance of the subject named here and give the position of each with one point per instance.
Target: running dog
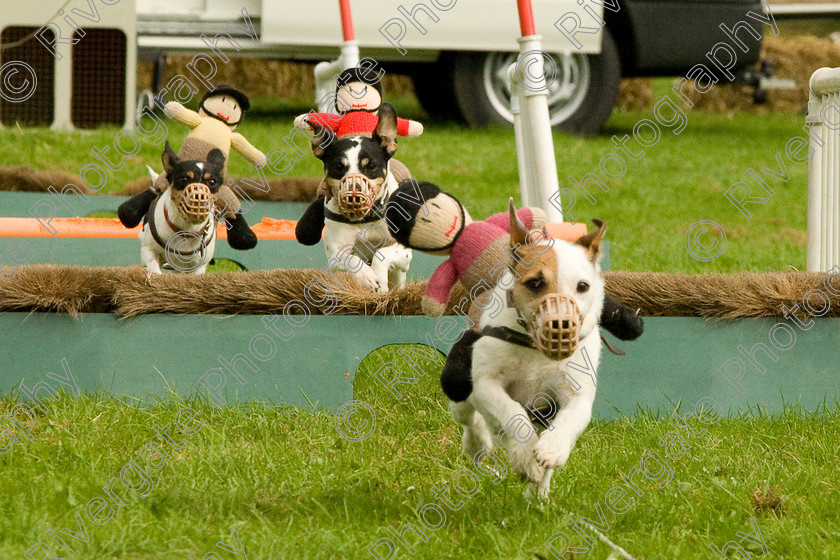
(522, 361)
(179, 230)
(357, 175)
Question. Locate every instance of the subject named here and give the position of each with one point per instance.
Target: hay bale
(795, 58)
(283, 189)
(30, 180)
(265, 77)
(635, 94)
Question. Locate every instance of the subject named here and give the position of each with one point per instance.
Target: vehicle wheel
(580, 97)
(434, 90)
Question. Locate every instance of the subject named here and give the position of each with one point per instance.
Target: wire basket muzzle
(555, 326)
(195, 203)
(356, 194)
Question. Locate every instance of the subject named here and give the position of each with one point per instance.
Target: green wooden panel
(20, 205)
(677, 359)
(268, 254)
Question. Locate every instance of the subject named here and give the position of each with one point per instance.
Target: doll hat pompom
(223, 89)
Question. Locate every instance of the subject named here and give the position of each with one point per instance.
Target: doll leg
(456, 376)
(240, 235)
(132, 210)
(621, 321)
(311, 224)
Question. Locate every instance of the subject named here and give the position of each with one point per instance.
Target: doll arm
(181, 114)
(408, 128)
(246, 150)
(438, 289)
(327, 120)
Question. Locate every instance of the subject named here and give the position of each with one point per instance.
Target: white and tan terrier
(538, 356)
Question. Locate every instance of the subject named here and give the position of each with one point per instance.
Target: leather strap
(150, 219)
(376, 213)
(509, 335)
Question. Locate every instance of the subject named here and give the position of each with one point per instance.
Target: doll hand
(300, 122)
(414, 129)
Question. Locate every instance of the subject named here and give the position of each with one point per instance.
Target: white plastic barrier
(824, 170)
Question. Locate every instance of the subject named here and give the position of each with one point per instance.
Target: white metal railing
(824, 170)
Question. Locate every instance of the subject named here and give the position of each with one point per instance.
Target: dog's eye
(582, 287)
(211, 182)
(371, 166)
(339, 167)
(535, 284)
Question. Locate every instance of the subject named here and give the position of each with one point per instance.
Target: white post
(824, 170)
(324, 72)
(538, 144)
(519, 135)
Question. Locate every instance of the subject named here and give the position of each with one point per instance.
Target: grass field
(294, 488)
(679, 181)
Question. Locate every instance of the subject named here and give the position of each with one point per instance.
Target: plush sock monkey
(220, 111)
(479, 253)
(358, 97)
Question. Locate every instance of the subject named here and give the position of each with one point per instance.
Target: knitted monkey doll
(479, 253)
(220, 111)
(358, 97)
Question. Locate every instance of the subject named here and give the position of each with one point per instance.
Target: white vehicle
(458, 51)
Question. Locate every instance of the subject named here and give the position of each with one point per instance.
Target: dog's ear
(592, 241)
(322, 137)
(518, 232)
(385, 132)
(169, 158)
(217, 158)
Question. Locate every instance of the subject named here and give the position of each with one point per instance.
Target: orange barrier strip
(269, 228)
(565, 230)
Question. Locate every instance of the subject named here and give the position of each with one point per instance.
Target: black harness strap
(376, 213)
(509, 335)
(515, 337)
(150, 219)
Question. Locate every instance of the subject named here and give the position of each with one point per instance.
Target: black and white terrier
(179, 230)
(538, 357)
(357, 176)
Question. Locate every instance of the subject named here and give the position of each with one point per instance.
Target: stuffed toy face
(432, 227)
(357, 96)
(222, 107)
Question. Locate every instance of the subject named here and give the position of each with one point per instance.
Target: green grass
(294, 488)
(679, 181)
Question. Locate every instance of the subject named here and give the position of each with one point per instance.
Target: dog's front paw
(524, 463)
(367, 278)
(552, 452)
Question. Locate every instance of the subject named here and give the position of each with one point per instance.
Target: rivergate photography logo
(18, 81)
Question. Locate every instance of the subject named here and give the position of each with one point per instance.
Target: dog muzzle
(195, 203)
(555, 326)
(356, 194)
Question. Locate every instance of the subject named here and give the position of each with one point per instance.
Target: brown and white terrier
(534, 368)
